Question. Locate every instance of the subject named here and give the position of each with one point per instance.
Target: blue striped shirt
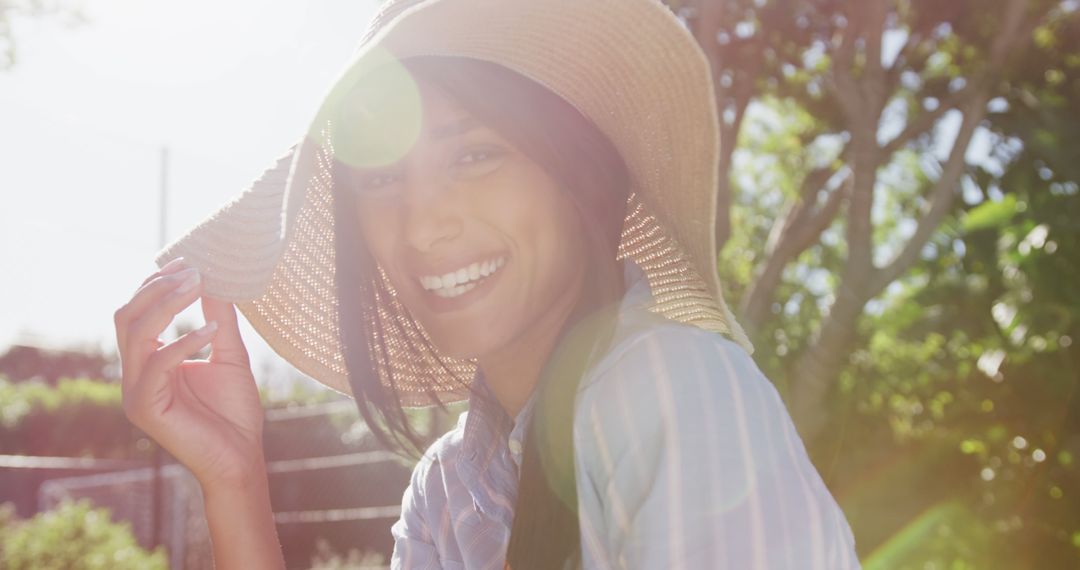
(685, 457)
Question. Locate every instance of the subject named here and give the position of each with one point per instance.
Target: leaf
(990, 214)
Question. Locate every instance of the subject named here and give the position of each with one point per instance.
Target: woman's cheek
(377, 230)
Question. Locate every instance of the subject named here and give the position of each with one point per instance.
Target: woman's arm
(241, 522)
(690, 460)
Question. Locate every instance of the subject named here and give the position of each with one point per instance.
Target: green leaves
(75, 536)
(949, 441)
(989, 214)
(38, 419)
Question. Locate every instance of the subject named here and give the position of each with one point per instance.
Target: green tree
(909, 167)
(899, 85)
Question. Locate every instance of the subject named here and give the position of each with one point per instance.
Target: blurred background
(900, 220)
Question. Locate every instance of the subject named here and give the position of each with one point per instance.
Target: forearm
(242, 527)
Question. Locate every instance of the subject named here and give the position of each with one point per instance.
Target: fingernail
(172, 264)
(207, 328)
(189, 282)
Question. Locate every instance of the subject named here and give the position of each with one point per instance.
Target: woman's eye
(376, 181)
(477, 162)
(473, 156)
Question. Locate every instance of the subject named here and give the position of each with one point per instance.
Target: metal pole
(156, 490)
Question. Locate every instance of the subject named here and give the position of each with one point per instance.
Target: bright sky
(227, 86)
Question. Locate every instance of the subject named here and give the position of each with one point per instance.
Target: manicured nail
(207, 328)
(189, 282)
(172, 264)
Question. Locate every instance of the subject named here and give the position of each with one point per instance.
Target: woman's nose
(429, 216)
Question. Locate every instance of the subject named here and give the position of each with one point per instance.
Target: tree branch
(798, 229)
(842, 82)
(800, 209)
(874, 81)
(728, 135)
(709, 17)
(942, 195)
(925, 120)
(823, 217)
(864, 164)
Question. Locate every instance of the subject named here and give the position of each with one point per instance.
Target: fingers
(148, 314)
(170, 267)
(139, 299)
(228, 346)
(149, 396)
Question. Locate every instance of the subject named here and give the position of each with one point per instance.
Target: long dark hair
(590, 170)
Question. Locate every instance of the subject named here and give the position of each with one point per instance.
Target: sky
(84, 114)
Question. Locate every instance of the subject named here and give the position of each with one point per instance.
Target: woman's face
(479, 242)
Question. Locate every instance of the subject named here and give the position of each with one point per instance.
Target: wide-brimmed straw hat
(629, 66)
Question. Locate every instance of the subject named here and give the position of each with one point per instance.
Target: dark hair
(588, 167)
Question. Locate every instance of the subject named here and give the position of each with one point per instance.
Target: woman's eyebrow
(455, 128)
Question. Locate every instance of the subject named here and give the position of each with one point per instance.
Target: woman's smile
(459, 289)
(448, 285)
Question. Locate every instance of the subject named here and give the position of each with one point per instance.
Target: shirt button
(515, 446)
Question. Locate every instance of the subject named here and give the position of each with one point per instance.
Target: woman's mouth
(460, 281)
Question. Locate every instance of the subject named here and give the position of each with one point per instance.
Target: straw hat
(628, 65)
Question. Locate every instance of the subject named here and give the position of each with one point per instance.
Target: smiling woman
(510, 202)
(467, 196)
(500, 226)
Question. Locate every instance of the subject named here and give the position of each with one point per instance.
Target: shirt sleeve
(414, 546)
(696, 463)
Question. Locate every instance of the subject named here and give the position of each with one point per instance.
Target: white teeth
(455, 291)
(457, 282)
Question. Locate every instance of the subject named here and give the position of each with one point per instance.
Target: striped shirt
(685, 457)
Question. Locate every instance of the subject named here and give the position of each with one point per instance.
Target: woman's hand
(206, 413)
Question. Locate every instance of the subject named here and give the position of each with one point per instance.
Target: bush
(325, 558)
(77, 417)
(75, 536)
(7, 519)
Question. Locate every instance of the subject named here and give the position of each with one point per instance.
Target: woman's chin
(458, 348)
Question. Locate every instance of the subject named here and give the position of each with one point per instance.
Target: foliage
(325, 558)
(37, 419)
(78, 537)
(337, 427)
(903, 197)
(22, 362)
(7, 518)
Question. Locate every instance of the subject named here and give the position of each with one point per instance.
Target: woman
(517, 196)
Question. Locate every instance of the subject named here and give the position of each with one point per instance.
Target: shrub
(78, 537)
(77, 417)
(326, 558)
